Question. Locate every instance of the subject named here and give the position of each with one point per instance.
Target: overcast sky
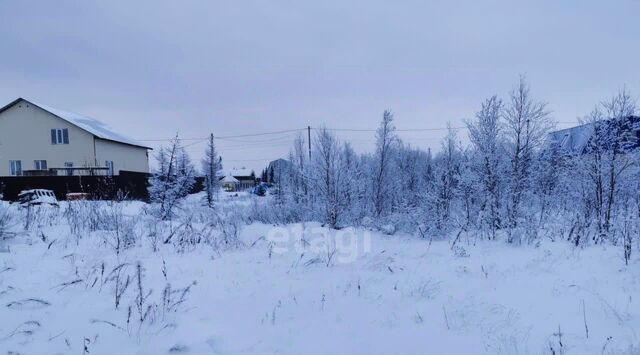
(151, 68)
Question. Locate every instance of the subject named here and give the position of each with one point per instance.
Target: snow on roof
(230, 179)
(91, 125)
(571, 140)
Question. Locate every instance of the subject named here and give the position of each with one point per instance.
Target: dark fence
(130, 185)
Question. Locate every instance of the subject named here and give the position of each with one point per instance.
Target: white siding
(124, 157)
(25, 134)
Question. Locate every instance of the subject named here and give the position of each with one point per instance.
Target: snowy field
(301, 289)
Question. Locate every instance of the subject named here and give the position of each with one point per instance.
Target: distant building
(230, 184)
(40, 140)
(276, 169)
(244, 179)
(570, 141)
(575, 140)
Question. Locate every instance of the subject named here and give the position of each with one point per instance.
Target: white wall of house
(124, 157)
(25, 135)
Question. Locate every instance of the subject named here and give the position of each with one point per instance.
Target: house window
(40, 164)
(109, 165)
(68, 171)
(16, 167)
(59, 136)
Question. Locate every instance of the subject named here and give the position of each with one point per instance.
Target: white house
(229, 183)
(244, 178)
(40, 140)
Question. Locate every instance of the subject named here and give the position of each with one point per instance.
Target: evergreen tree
(211, 167)
(172, 180)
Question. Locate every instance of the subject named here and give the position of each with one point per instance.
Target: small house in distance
(39, 140)
(238, 179)
(229, 183)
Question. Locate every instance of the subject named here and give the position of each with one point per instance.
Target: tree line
(508, 181)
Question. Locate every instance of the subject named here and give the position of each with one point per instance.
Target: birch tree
(385, 140)
(527, 123)
(606, 155)
(328, 177)
(485, 135)
(447, 177)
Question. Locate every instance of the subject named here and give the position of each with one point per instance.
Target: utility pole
(212, 158)
(309, 140)
(212, 171)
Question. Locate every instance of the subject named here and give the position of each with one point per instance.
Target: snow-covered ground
(285, 292)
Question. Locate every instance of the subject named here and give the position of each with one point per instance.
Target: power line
(232, 137)
(224, 137)
(297, 130)
(169, 139)
(397, 130)
(261, 134)
(194, 143)
(249, 147)
(276, 139)
(242, 147)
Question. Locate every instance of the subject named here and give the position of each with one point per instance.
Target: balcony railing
(83, 171)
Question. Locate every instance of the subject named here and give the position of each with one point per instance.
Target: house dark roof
(91, 125)
(279, 164)
(574, 140)
(229, 179)
(237, 173)
(571, 140)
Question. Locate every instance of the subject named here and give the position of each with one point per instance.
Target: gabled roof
(571, 140)
(91, 125)
(230, 179)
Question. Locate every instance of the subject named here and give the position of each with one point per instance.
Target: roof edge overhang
(129, 144)
(19, 99)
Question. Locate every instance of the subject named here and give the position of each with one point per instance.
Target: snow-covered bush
(36, 217)
(7, 218)
(228, 224)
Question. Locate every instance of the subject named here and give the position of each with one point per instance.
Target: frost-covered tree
(282, 188)
(408, 177)
(211, 167)
(172, 180)
(510, 180)
(385, 141)
(447, 178)
(550, 181)
(353, 190)
(468, 188)
(299, 170)
(328, 177)
(527, 123)
(606, 158)
(485, 134)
